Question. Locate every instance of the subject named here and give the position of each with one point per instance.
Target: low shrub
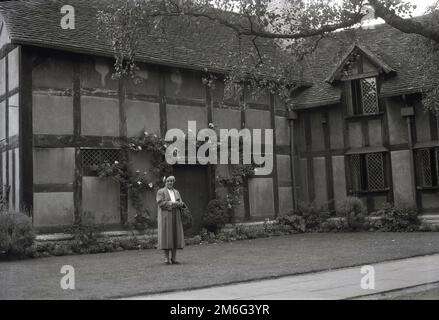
(85, 233)
(354, 211)
(314, 216)
(308, 218)
(207, 236)
(216, 216)
(334, 225)
(143, 221)
(16, 234)
(294, 222)
(393, 218)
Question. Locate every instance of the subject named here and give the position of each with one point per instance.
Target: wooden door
(192, 183)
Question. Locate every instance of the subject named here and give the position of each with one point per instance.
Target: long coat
(170, 228)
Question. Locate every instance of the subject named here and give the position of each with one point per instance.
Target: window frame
(87, 170)
(361, 184)
(433, 166)
(355, 97)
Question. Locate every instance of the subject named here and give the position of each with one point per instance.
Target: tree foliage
(293, 27)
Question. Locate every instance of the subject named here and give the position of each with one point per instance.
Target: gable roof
(381, 65)
(391, 49)
(37, 23)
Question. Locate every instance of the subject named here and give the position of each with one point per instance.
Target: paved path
(337, 284)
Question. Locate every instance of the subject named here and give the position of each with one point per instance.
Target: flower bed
(87, 240)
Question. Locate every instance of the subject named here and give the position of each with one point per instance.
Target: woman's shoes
(175, 262)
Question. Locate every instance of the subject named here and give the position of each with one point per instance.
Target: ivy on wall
(138, 182)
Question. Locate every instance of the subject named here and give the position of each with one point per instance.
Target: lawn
(128, 273)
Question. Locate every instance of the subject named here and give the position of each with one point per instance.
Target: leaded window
(365, 96)
(92, 158)
(367, 172)
(428, 167)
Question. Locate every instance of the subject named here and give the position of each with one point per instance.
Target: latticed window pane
(428, 167)
(426, 174)
(369, 95)
(367, 172)
(375, 171)
(355, 172)
(95, 157)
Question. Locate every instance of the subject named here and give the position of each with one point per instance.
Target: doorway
(192, 183)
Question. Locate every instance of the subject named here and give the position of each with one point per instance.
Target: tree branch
(404, 25)
(271, 35)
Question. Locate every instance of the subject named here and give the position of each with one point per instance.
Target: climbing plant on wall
(138, 181)
(234, 180)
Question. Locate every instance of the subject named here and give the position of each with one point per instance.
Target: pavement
(345, 283)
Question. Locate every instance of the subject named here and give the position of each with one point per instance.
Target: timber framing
(123, 188)
(77, 184)
(246, 193)
(211, 169)
(275, 173)
(27, 141)
(26, 131)
(163, 102)
(7, 138)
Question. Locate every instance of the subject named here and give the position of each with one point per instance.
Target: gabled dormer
(360, 71)
(359, 62)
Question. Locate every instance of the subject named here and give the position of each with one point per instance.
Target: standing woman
(170, 227)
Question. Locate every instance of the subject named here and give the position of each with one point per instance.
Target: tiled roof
(37, 23)
(392, 47)
(379, 64)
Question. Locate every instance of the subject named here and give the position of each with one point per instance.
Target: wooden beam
(413, 180)
(386, 143)
(77, 187)
(433, 126)
(328, 163)
(246, 193)
(14, 182)
(7, 182)
(142, 97)
(211, 170)
(275, 174)
(181, 101)
(162, 98)
(65, 92)
(72, 141)
(123, 188)
(75, 139)
(345, 127)
(293, 162)
(54, 187)
(310, 161)
(26, 131)
(4, 51)
(259, 106)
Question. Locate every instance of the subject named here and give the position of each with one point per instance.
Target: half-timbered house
(357, 128)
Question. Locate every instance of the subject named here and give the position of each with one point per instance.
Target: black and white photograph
(221, 155)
